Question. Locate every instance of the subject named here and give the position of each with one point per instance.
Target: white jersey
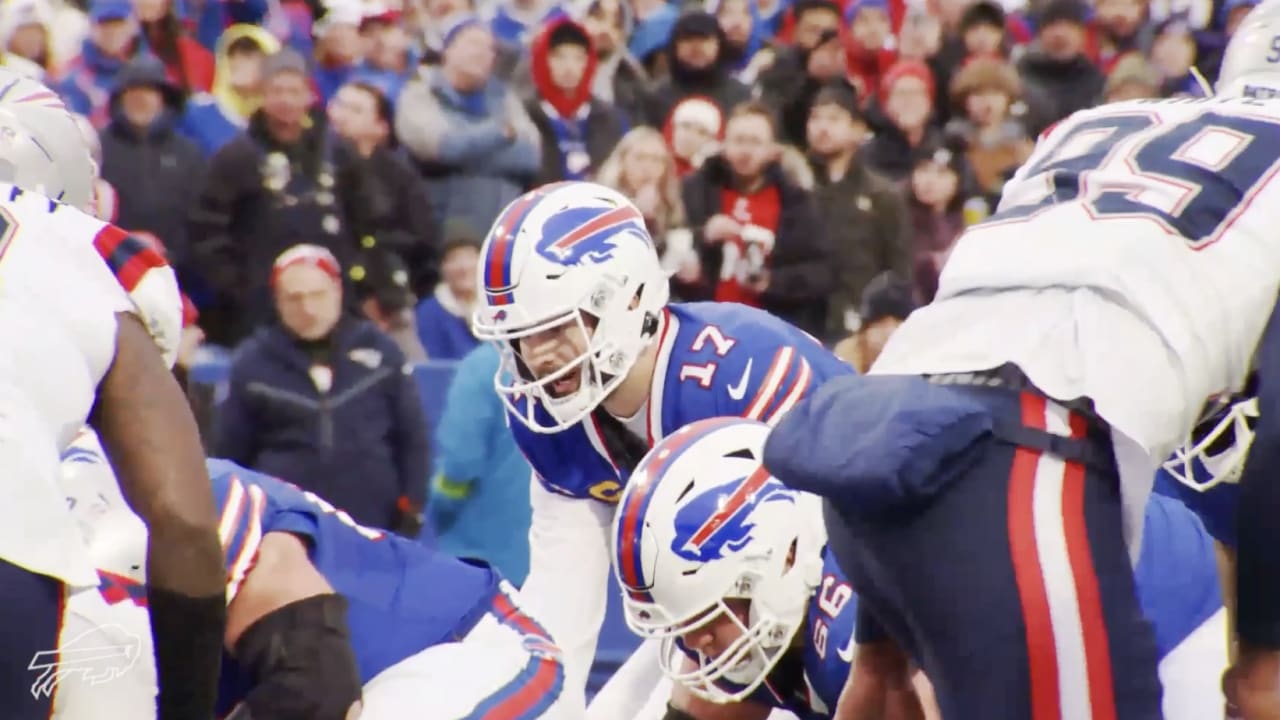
(58, 305)
(1134, 260)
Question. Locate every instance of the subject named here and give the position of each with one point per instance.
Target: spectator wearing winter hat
(746, 51)
(389, 58)
(697, 66)
(906, 99)
(693, 133)
(1057, 76)
(815, 56)
(1133, 78)
(25, 36)
(985, 96)
(286, 179)
(467, 131)
(85, 82)
(444, 317)
(156, 172)
(863, 213)
(982, 30)
(321, 398)
(871, 45)
(755, 225)
(652, 29)
(213, 119)
(885, 304)
(338, 46)
(578, 132)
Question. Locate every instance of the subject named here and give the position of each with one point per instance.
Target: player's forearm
(153, 443)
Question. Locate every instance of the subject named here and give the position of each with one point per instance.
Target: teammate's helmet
(115, 536)
(702, 522)
(41, 146)
(571, 252)
(1248, 65)
(1216, 450)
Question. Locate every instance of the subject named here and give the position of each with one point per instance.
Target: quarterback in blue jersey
(429, 635)
(597, 366)
(720, 561)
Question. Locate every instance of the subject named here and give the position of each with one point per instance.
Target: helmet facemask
(1215, 452)
(617, 325)
(775, 611)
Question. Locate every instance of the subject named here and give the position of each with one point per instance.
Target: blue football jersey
(403, 596)
(714, 359)
(1177, 572)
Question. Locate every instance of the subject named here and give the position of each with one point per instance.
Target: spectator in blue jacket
(324, 400)
(444, 317)
(480, 494)
(467, 131)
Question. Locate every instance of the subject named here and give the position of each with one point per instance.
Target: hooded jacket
(714, 82)
(575, 127)
(156, 171)
(212, 119)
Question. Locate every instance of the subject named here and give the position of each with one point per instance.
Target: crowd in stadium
(322, 173)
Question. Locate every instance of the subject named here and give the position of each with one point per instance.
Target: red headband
(305, 254)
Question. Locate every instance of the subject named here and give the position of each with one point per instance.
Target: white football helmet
(42, 149)
(1247, 64)
(570, 252)
(701, 522)
(1215, 452)
(116, 537)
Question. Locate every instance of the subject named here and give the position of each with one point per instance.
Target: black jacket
(243, 219)
(362, 445)
(156, 172)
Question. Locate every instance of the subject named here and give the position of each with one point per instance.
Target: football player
(81, 340)
(319, 607)
(597, 366)
(1012, 428)
(717, 561)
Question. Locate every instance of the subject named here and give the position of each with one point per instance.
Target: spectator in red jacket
(188, 64)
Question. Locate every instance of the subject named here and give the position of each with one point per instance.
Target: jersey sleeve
(568, 576)
(241, 509)
(149, 282)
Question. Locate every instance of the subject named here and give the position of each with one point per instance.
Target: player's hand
(759, 281)
(1252, 685)
(720, 228)
(409, 519)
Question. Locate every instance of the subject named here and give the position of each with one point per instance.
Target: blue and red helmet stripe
(639, 493)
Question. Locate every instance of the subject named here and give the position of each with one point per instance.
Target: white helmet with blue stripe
(716, 558)
(572, 257)
(42, 148)
(1251, 63)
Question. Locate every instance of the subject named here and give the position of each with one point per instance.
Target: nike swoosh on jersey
(738, 391)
